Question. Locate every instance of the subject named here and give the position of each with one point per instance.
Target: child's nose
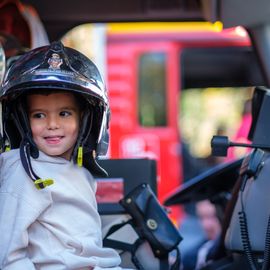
(53, 122)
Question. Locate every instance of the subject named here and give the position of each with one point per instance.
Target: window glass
(204, 112)
(152, 90)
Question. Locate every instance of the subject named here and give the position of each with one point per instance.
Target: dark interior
(220, 67)
(60, 16)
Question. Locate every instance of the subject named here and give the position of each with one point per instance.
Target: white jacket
(54, 228)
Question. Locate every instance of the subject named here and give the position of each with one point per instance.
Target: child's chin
(53, 153)
(57, 153)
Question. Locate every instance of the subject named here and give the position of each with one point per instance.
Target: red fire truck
(147, 68)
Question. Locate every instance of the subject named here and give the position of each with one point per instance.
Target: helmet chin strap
(25, 149)
(92, 165)
(84, 153)
(84, 132)
(28, 147)
(22, 122)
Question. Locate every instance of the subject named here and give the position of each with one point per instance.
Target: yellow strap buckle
(80, 156)
(42, 183)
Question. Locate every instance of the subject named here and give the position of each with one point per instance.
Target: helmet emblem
(55, 61)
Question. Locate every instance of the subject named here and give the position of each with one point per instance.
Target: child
(55, 121)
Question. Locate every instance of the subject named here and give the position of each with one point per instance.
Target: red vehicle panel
(129, 136)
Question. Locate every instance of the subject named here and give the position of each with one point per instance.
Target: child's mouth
(53, 139)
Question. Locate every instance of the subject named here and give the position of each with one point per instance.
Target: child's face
(54, 121)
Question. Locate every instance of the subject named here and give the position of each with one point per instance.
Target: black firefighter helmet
(58, 68)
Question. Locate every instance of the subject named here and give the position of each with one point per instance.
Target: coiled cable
(266, 255)
(244, 230)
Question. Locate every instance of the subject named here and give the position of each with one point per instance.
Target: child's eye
(65, 113)
(38, 115)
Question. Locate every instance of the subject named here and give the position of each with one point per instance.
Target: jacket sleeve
(16, 215)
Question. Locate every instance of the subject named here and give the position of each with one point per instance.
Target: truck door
(143, 81)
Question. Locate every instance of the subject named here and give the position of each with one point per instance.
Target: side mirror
(220, 145)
